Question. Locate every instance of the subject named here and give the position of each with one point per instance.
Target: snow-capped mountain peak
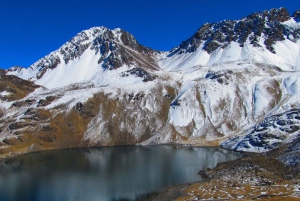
(86, 55)
(270, 37)
(265, 37)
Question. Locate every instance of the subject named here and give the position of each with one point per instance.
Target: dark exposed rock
(220, 34)
(221, 77)
(203, 174)
(50, 62)
(23, 103)
(17, 125)
(86, 110)
(282, 122)
(262, 139)
(47, 101)
(30, 111)
(287, 121)
(290, 129)
(136, 97)
(139, 72)
(130, 97)
(129, 41)
(280, 15)
(75, 51)
(48, 137)
(22, 138)
(18, 104)
(29, 101)
(17, 133)
(211, 46)
(139, 96)
(42, 103)
(14, 141)
(34, 114)
(48, 128)
(269, 42)
(48, 133)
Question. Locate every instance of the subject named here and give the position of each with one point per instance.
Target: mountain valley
(233, 84)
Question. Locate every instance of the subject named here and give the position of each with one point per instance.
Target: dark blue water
(109, 173)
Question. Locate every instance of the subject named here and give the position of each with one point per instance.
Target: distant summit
(92, 50)
(266, 25)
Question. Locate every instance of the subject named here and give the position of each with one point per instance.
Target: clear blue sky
(30, 29)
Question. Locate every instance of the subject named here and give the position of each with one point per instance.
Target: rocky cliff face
(266, 24)
(233, 82)
(263, 37)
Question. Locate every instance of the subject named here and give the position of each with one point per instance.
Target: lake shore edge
(262, 176)
(16, 154)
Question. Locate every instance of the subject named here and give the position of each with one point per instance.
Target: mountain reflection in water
(107, 173)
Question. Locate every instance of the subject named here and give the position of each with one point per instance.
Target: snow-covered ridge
(85, 57)
(267, 37)
(270, 37)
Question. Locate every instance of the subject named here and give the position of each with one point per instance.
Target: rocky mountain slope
(233, 82)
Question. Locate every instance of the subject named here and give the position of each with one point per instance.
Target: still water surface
(108, 173)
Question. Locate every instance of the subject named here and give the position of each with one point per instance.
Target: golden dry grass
(216, 190)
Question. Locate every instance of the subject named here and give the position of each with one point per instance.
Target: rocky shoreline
(272, 175)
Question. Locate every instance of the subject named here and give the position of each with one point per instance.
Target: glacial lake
(104, 174)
